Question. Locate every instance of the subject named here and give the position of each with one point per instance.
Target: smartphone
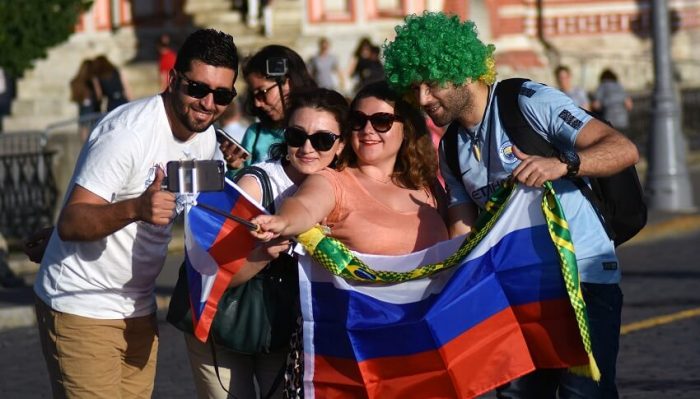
(194, 176)
(276, 66)
(222, 136)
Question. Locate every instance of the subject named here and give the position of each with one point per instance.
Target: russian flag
(216, 248)
(500, 314)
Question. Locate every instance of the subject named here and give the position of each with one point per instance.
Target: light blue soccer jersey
(486, 159)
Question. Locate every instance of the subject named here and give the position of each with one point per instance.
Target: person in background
(259, 12)
(362, 51)
(565, 84)
(7, 93)
(323, 67)
(166, 59)
(86, 93)
(368, 67)
(462, 92)
(95, 302)
(8, 279)
(314, 135)
(269, 96)
(612, 102)
(111, 82)
(233, 122)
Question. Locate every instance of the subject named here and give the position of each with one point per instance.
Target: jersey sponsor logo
(609, 265)
(483, 193)
(505, 152)
(570, 120)
(527, 92)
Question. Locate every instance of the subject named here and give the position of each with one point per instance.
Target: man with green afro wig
(439, 61)
(437, 48)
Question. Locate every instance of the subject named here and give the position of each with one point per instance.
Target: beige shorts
(94, 358)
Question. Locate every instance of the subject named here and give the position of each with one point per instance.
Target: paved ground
(659, 356)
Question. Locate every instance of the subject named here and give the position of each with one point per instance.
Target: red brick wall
(585, 17)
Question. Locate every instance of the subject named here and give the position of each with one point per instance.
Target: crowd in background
(99, 87)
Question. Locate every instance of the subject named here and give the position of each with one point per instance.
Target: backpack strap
(449, 144)
(268, 201)
(530, 142)
(517, 127)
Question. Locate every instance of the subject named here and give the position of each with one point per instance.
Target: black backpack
(618, 199)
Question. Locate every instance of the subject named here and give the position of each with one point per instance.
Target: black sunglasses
(200, 90)
(320, 141)
(261, 94)
(381, 121)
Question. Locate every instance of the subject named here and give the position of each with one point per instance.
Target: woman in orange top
(384, 197)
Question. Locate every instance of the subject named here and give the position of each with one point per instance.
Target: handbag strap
(268, 201)
(275, 384)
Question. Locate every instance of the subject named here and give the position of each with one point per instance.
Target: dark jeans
(604, 303)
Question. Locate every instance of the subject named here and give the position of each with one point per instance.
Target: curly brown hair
(416, 162)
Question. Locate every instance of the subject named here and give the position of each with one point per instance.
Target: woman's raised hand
(269, 226)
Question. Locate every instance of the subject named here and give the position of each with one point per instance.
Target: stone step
(212, 18)
(142, 78)
(21, 123)
(200, 6)
(44, 106)
(43, 93)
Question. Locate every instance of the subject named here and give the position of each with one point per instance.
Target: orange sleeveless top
(366, 225)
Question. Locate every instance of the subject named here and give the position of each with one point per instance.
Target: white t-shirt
(114, 277)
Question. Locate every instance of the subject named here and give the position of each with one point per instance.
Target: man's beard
(459, 102)
(192, 125)
(187, 121)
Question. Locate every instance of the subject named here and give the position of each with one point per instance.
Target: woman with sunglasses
(273, 74)
(314, 135)
(383, 198)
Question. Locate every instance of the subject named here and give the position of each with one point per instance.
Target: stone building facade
(531, 37)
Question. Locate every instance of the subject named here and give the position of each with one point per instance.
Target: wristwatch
(572, 161)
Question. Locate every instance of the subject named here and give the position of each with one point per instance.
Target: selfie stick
(250, 225)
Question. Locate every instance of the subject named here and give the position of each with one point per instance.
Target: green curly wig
(435, 47)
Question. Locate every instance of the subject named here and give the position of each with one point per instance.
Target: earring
(287, 157)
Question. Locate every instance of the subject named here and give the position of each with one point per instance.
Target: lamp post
(667, 184)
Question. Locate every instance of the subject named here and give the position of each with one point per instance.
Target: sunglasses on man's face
(200, 90)
(320, 141)
(381, 121)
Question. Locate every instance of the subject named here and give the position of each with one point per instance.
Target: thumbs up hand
(155, 205)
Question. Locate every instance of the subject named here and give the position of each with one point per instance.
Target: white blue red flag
(501, 313)
(216, 248)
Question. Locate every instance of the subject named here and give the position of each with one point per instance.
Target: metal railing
(27, 187)
(88, 120)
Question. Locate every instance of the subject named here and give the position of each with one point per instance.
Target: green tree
(29, 27)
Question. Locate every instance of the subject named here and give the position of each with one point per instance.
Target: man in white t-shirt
(95, 288)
